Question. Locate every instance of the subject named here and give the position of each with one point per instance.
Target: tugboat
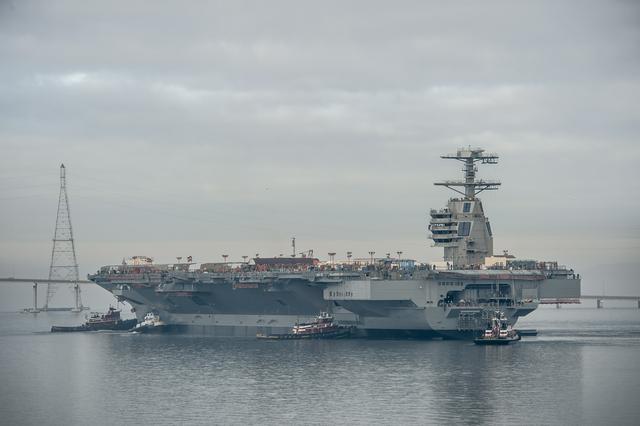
(322, 327)
(151, 324)
(498, 332)
(96, 321)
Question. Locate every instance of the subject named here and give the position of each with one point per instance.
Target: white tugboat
(151, 324)
(498, 331)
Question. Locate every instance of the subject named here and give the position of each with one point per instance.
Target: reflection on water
(585, 371)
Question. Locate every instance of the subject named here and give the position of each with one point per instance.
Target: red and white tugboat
(498, 332)
(97, 321)
(322, 327)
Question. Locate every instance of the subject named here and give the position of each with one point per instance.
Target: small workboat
(498, 331)
(322, 327)
(150, 324)
(97, 321)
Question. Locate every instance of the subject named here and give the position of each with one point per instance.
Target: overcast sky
(207, 128)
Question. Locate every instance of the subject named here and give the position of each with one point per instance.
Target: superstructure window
(466, 208)
(464, 228)
(489, 229)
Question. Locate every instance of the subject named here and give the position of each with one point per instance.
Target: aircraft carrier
(388, 296)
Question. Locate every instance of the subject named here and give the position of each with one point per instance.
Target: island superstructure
(380, 297)
(461, 228)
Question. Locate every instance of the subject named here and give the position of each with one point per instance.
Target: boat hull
(341, 333)
(122, 325)
(150, 329)
(496, 341)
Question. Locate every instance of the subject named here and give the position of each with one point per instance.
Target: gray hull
(424, 304)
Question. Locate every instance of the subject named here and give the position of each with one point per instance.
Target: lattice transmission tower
(64, 265)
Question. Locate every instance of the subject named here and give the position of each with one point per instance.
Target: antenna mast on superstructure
(64, 265)
(472, 187)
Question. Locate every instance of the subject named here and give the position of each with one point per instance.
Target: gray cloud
(238, 124)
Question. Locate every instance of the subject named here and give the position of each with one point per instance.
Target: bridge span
(599, 300)
(35, 282)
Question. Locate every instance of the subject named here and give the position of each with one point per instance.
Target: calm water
(584, 368)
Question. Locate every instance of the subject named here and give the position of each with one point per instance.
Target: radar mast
(472, 187)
